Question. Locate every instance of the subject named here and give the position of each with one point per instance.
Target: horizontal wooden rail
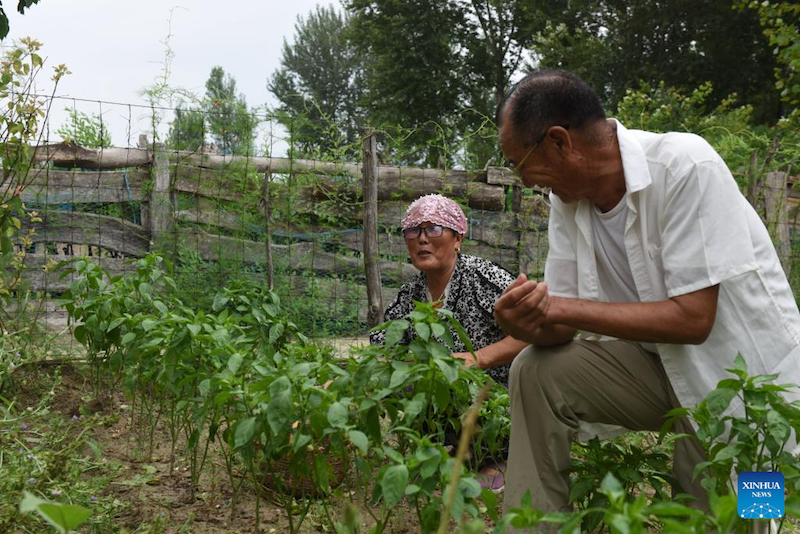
(298, 257)
(90, 229)
(39, 279)
(52, 186)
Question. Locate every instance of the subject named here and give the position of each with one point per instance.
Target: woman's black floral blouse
(474, 287)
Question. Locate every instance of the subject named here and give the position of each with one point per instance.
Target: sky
(115, 49)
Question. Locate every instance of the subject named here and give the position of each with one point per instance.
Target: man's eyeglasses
(435, 230)
(517, 167)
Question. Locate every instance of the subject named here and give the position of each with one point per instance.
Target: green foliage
(637, 464)
(438, 69)
(84, 130)
(494, 38)
(527, 517)
(21, 6)
(754, 439)
(745, 425)
(22, 340)
(413, 61)
(300, 421)
(47, 454)
(749, 151)
(222, 114)
(664, 109)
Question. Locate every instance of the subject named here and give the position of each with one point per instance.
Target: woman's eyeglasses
(435, 230)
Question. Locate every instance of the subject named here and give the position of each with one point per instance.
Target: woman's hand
(468, 358)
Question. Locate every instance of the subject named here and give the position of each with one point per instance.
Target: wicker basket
(280, 478)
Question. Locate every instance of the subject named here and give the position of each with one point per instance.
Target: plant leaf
(360, 440)
(395, 331)
(393, 484)
(338, 415)
(245, 431)
(719, 400)
(220, 300)
(63, 517)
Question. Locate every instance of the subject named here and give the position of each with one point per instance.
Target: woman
(468, 286)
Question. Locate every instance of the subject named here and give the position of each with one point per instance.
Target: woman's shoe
(492, 477)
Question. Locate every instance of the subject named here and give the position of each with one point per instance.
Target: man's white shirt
(687, 228)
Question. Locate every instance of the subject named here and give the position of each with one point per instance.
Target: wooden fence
(313, 219)
(305, 216)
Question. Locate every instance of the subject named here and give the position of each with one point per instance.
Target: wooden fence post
(372, 265)
(161, 209)
(516, 198)
(777, 214)
(268, 229)
(144, 210)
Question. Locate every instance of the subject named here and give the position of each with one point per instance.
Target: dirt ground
(343, 345)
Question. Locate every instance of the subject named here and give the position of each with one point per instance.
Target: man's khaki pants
(552, 388)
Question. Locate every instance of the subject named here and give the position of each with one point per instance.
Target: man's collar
(634, 161)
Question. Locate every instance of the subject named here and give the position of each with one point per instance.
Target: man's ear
(560, 137)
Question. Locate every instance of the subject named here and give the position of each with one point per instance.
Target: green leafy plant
(752, 435)
(296, 420)
(637, 463)
(746, 424)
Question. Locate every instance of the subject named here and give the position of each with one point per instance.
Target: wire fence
(221, 219)
(292, 222)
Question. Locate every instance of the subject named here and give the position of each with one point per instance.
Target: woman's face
(434, 254)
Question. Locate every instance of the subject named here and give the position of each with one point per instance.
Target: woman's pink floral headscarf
(435, 209)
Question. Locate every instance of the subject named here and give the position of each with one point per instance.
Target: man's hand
(522, 308)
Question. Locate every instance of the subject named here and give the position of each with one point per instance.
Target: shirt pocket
(654, 254)
(655, 272)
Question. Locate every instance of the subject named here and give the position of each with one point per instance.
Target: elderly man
(658, 263)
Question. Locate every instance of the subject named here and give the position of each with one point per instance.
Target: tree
(188, 130)
(614, 45)
(413, 56)
(495, 35)
(319, 83)
(442, 66)
(85, 130)
(21, 6)
(230, 123)
(781, 25)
